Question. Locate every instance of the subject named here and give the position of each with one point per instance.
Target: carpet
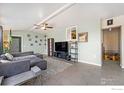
(54, 66)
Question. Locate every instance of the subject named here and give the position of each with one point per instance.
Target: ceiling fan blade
(37, 27)
(49, 27)
(44, 24)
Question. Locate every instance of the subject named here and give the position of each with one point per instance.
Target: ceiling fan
(43, 26)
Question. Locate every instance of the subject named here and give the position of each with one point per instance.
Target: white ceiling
(84, 11)
(24, 16)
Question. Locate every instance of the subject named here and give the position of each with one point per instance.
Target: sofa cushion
(9, 56)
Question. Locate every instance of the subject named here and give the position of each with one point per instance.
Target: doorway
(16, 44)
(111, 46)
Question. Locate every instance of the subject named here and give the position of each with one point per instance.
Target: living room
(36, 39)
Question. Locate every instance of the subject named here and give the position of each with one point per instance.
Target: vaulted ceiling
(24, 16)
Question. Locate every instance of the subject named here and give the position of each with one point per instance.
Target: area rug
(54, 66)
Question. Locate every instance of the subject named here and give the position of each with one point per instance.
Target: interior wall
(87, 19)
(26, 43)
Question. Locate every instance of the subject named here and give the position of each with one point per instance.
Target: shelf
(73, 48)
(74, 53)
(73, 58)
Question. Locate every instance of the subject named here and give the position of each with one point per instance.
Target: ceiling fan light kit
(43, 26)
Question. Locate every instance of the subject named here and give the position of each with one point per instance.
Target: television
(61, 46)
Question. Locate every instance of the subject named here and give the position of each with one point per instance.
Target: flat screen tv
(61, 46)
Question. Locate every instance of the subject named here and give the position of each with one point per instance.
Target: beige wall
(111, 40)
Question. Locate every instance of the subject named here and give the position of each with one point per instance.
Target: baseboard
(122, 67)
(91, 63)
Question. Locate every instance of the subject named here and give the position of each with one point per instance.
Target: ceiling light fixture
(57, 12)
(110, 29)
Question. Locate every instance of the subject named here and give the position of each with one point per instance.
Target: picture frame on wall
(83, 37)
(71, 33)
(110, 22)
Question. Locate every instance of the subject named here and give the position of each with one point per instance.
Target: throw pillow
(9, 56)
(3, 57)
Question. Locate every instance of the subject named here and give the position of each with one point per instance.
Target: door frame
(120, 44)
(20, 42)
(1, 40)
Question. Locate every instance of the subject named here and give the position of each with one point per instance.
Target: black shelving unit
(73, 51)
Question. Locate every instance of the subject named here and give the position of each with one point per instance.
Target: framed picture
(71, 33)
(83, 37)
(110, 22)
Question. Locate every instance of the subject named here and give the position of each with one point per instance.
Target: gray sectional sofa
(36, 59)
(23, 67)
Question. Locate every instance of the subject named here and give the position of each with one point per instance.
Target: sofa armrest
(23, 77)
(14, 67)
(1, 79)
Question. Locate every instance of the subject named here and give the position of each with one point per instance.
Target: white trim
(121, 66)
(91, 63)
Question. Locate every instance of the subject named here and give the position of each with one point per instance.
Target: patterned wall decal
(36, 36)
(31, 44)
(28, 35)
(41, 40)
(36, 41)
(39, 44)
(30, 39)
